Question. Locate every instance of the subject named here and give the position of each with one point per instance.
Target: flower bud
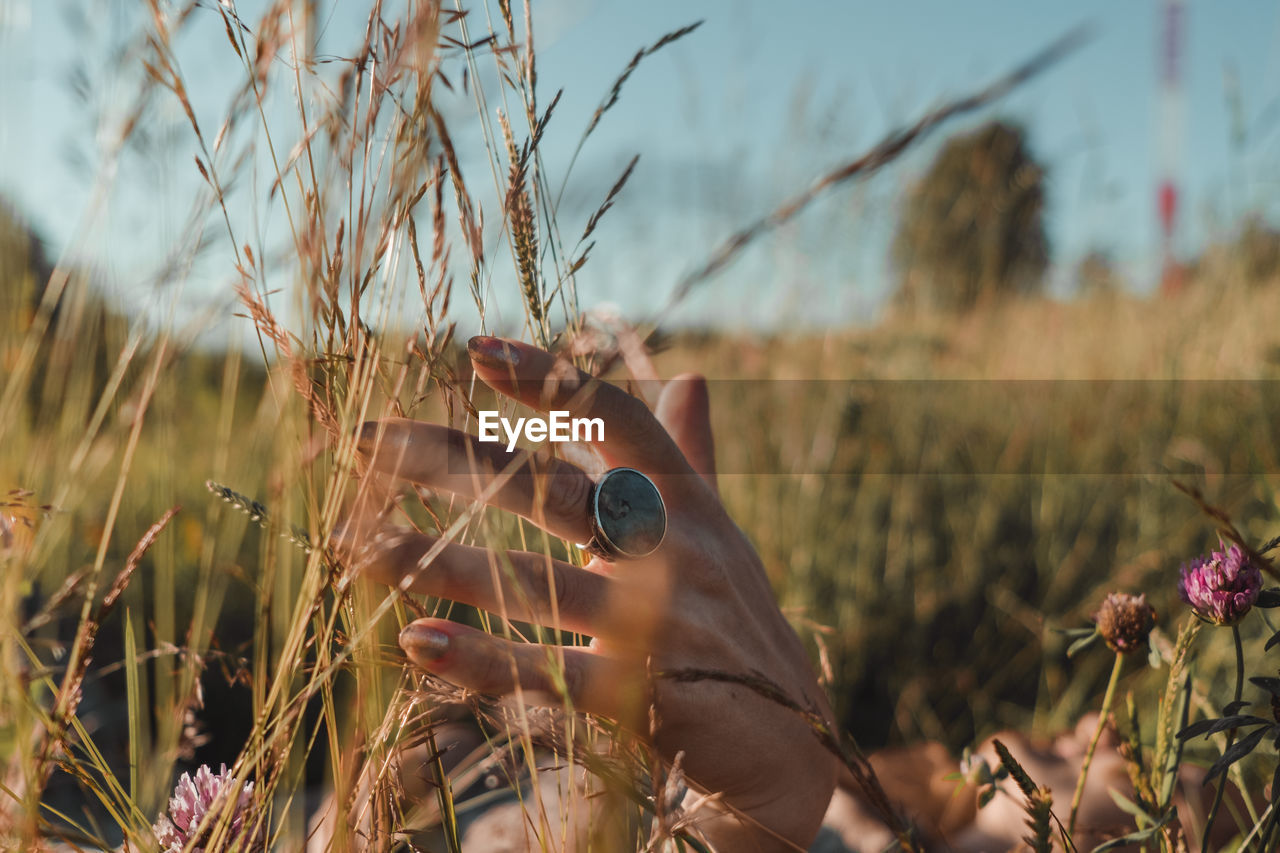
(1124, 621)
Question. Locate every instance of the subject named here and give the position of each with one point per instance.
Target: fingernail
(367, 438)
(358, 543)
(422, 641)
(492, 352)
(343, 538)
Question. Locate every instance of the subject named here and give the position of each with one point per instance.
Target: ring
(627, 516)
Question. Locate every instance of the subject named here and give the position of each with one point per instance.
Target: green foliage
(972, 228)
(1096, 275)
(955, 522)
(1249, 255)
(23, 270)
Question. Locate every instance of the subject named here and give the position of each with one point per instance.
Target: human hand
(689, 633)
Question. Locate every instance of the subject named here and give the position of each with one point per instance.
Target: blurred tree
(23, 273)
(76, 342)
(972, 228)
(1096, 275)
(1250, 255)
(1258, 250)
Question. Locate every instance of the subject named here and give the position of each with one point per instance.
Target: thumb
(684, 409)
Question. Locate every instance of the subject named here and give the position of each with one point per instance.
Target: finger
(547, 675)
(514, 584)
(684, 409)
(549, 492)
(632, 435)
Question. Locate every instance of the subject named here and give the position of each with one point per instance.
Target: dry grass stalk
(518, 210)
(615, 91)
(56, 746)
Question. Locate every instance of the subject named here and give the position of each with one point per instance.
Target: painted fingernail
(367, 438)
(343, 538)
(492, 352)
(422, 641)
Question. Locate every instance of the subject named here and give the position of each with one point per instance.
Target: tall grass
(104, 420)
(990, 479)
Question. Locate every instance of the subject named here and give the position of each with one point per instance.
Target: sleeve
(828, 841)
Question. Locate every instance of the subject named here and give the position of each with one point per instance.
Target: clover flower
(193, 799)
(1124, 621)
(1222, 587)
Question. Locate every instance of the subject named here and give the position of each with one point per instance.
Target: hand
(700, 607)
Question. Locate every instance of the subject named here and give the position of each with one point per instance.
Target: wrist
(786, 818)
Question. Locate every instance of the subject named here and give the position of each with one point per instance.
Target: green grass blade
(131, 680)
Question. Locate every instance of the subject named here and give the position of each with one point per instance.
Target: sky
(728, 122)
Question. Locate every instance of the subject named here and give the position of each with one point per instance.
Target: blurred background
(951, 399)
(727, 122)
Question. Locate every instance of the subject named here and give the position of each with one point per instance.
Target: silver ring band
(627, 516)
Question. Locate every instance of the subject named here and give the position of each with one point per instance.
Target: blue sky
(728, 122)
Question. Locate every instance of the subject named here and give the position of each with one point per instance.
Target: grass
(962, 483)
(928, 517)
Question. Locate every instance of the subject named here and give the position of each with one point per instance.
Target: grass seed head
(1125, 621)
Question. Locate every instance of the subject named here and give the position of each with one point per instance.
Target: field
(938, 500)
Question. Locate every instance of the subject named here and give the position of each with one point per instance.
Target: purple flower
(1222, 587)
(194, 798)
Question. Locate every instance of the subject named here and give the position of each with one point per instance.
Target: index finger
(632, 435)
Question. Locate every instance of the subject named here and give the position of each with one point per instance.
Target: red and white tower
(1172, 109)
